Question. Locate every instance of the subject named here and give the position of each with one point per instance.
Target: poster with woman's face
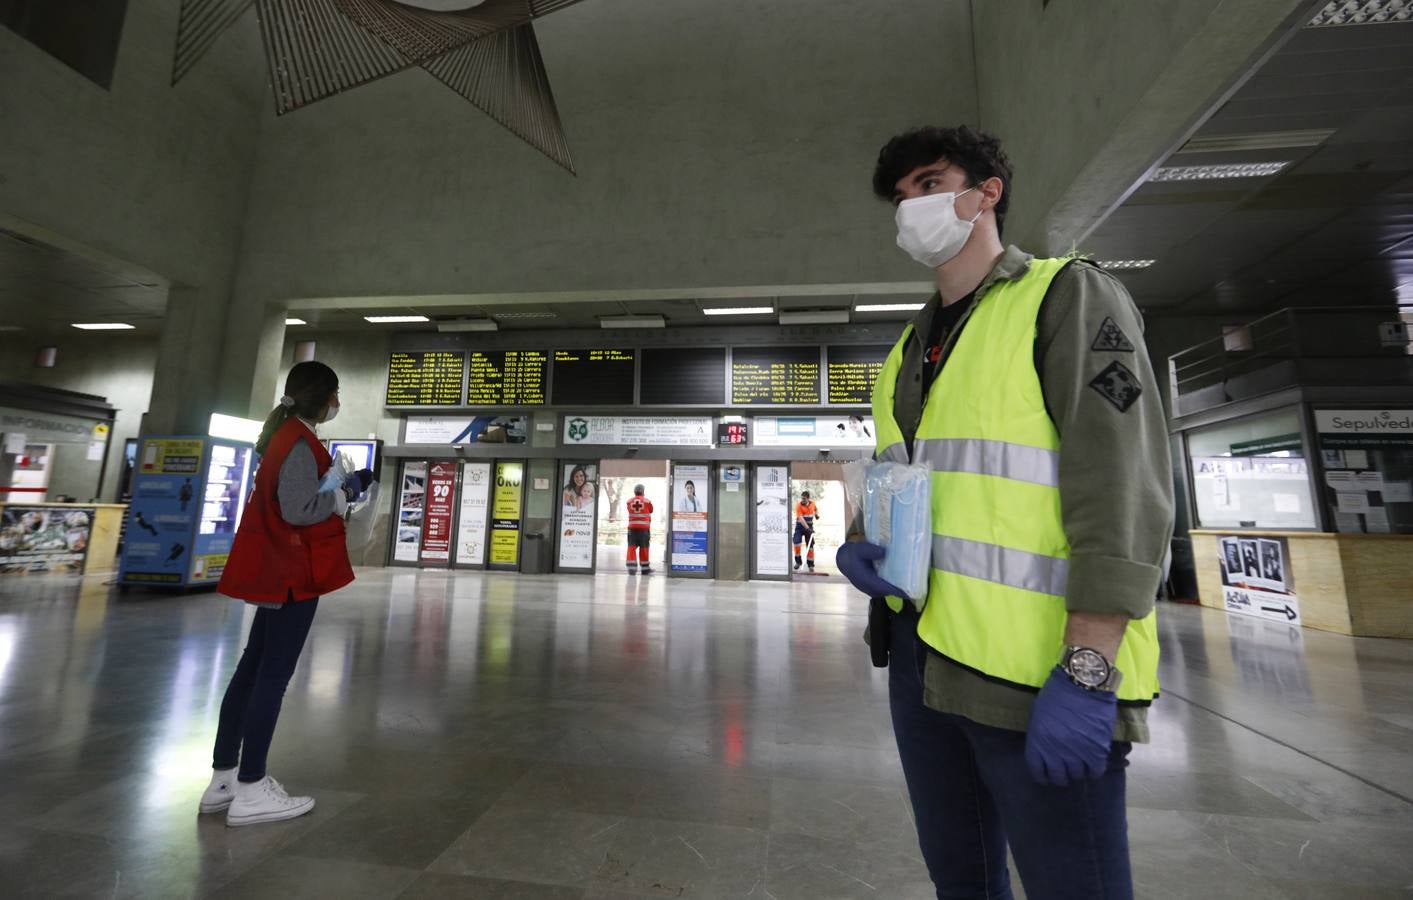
(579, 486)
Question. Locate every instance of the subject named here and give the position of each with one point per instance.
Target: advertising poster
(36, 539)
(1256, 578)
(475, 498)
(411, 505)
(436, 518)
(505, 514)
(171, 456)
(577, 504)
(162, 515)
(814, 431)
(690, 518)
(466, 430)
(633, 431)
(772, 520)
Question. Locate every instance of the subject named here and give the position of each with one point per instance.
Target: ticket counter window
(1252, 473)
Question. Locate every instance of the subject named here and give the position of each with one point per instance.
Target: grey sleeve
(1116, 483)
(301, 501)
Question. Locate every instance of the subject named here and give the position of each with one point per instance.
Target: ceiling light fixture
(293, 321)
(468, 325)
(888, 307)
(525, 315)
(632, 322)
(1262, 140)
(104, 326)
(1116, 264)
(1214, 173)
(390, 320)
(739, 311)
(815, 317)
(1362, 12)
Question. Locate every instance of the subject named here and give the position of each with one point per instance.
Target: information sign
(774, 375)
(852, 370)
(594, 377)
(639, 431)
(426, 377)
(507, 378)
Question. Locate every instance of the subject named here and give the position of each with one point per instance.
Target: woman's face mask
(929, 229)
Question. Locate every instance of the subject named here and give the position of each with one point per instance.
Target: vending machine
(188, 493)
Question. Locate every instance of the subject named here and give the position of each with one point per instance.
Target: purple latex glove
(857, 561)
(1070, 732)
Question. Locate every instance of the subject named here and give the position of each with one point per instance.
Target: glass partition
(1252, 473)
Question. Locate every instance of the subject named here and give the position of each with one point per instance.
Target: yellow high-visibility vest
(996, 594)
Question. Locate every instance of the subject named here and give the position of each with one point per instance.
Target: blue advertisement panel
(162, 516)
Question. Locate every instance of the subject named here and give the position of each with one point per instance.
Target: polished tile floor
(501, 736)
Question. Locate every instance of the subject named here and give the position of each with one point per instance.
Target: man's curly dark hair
(974, 152)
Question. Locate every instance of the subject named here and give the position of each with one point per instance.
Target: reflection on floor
(498, 736)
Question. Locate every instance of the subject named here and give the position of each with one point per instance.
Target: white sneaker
(265, 801)
(221, 791)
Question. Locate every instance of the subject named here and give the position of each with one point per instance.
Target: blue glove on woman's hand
(856, 561)
(355, 484)
(1070, 732)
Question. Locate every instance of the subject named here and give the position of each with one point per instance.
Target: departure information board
(594, 377)
(694, 376)
(852, 370)
(776, 375)
(508, 378)
(425, 377)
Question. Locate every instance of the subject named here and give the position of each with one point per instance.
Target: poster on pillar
(577, 504)
(1256, 578)
(691, 486)
(772, 521)
(506, 504)
(411, 502)
(436, 518)
(471, 523)
(813, 431)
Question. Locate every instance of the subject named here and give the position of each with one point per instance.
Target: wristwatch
(1089, 669)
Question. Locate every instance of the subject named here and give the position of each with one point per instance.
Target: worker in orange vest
(640, 523)
(805, 514)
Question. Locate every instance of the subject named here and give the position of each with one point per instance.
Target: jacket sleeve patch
(1118, 385)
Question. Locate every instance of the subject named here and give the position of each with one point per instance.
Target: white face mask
(929, 229)
(332, 414)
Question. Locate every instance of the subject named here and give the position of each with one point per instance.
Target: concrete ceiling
(44, 289)
(1333, 228)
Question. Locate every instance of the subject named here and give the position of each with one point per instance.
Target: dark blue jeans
(972, 795)
(257, 689)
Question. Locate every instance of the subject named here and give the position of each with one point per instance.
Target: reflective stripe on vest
(1000, 557)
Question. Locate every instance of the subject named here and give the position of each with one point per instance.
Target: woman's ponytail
(273, 421)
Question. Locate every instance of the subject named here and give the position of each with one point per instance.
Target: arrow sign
(1289, 613)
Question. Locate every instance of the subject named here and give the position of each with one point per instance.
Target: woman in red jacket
(289, 551)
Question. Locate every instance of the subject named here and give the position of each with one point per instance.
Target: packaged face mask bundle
(897, 508)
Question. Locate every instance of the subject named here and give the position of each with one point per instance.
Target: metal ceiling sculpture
(315, 49)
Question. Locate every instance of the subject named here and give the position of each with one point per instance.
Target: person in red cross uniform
(640, 523)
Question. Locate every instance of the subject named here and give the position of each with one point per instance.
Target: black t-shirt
(943, 321)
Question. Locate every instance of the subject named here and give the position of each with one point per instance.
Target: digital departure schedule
(774, 375)
(594, 377)
(425, 377)
(683, 376)
(852, 370)
(507, 378)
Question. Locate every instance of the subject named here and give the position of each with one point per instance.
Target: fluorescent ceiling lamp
(815, 317)
(526, 315)
(1362, 12)
(103, 326)
(234, 428)
(468, 325)
(632, 322)
(11, 328)
(1126, 263)
(390, 320)
(1215, 173)
(295, 322)
(1265, 140)
(739, 311)
(888, 307)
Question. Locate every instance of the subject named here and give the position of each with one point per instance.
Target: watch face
(1088, 667)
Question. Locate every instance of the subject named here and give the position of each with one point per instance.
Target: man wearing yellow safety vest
(1020, 682)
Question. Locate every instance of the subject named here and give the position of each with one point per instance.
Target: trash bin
(535, 555)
